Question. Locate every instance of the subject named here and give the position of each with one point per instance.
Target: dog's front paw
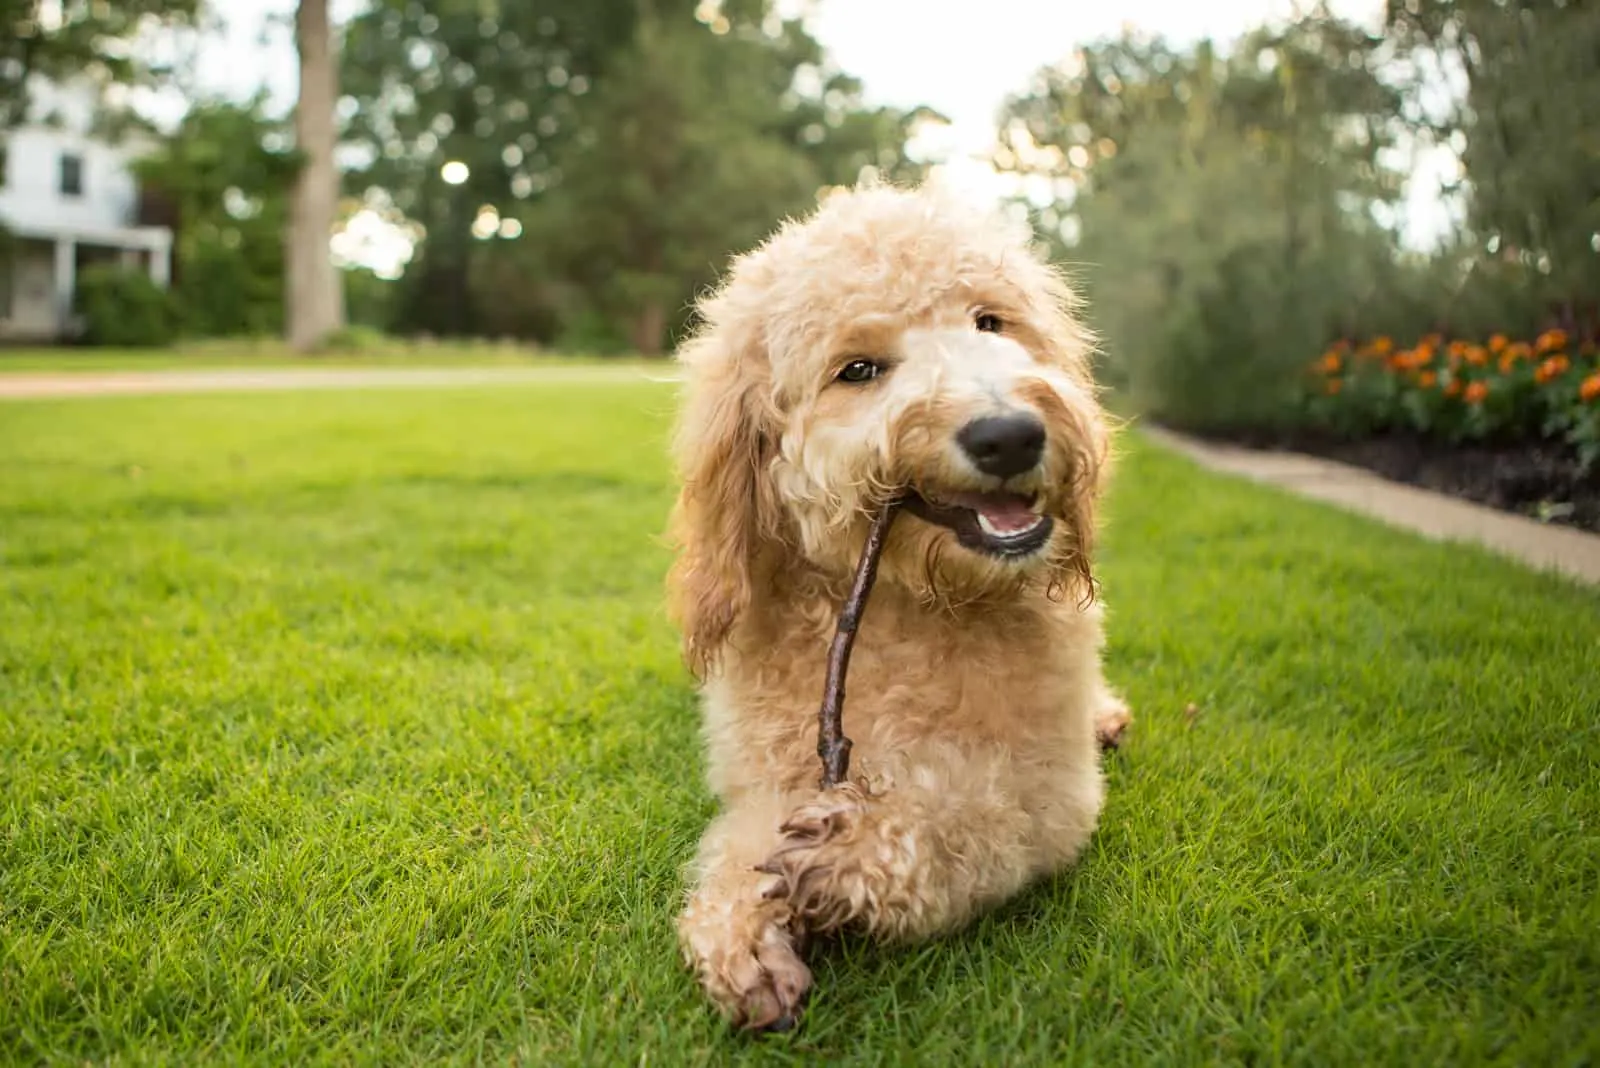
(820, 864)
(758, 981)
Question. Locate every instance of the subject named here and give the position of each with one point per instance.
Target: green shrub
(357, 340)
(369, 300)
(593, 333)
(123, 307)
(226, 290)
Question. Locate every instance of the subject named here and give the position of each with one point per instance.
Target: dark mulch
(1540, 481)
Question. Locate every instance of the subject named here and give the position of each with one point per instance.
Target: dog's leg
(949, 833)
(736, 932)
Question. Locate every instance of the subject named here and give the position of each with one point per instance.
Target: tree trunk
(649, 328)
(314, 294)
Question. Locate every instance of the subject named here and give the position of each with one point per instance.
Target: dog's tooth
(988, 527)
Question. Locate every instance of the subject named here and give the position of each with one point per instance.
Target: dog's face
(895, 344)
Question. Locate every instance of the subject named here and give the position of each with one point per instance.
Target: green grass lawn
(347, 728)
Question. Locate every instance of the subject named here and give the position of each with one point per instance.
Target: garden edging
(1433, 515)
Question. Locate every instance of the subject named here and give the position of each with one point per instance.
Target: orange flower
(1498, 343)
(1426, 379)
(1332, 386)
(1411, 359)
(1518, 350)
(1551, 340)
(1477, 355)
(1551, 369)
(1453, 388)
(1382, 345)
(1476, 391)
(1330, 363)
(1589, 392)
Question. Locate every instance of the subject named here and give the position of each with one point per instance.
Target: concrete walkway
(1433, 515)
(26, 385)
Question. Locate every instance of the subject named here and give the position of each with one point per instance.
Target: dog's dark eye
(988, 323)
(860, 371)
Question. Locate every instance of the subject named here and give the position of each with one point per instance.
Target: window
(71, 176)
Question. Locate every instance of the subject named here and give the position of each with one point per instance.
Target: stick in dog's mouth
(832, 745)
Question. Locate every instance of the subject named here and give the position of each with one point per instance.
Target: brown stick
(832, 746)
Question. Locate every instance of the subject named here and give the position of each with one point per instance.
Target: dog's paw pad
(759, 983)
(770, 987)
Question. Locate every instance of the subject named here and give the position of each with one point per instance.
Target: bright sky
(964, 65)
(961, 59)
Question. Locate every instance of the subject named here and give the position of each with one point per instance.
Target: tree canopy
(628, 149)
(605, 156)
(1234, 210)
(1526, 129)
(224, 189)
(76, 38)
(1225, 206)
(573, 171)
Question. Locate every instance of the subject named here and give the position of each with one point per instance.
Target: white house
(68, 200)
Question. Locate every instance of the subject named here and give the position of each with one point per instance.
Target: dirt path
(1433, 515)
(27, 385)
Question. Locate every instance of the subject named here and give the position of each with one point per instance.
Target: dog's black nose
(1003, 445)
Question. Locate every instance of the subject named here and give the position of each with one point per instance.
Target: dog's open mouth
(1000, 524)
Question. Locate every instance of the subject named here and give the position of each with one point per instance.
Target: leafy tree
(76, 37)
(1526, 131)
(679, 170)
(493, 86)
(541, 105)
(226, 191)
(1226, 206)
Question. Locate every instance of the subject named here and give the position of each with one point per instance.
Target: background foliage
(123, 307)
(632, 146)
(1232, 211)
(77, 38)
(227, 193)
(616, 153)
(1236, 213)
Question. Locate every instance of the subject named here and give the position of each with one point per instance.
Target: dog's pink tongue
(1006, 515)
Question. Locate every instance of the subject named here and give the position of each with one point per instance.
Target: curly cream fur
(975, 691)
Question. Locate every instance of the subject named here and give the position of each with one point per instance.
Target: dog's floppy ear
(725, 510)
(1078, 423)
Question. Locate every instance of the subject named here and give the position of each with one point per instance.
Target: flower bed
(1502, 392)
(1511, 424)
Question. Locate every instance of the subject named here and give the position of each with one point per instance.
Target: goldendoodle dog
(896, 342)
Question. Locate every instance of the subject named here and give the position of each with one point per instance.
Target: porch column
(161, 264)
(66, 281)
